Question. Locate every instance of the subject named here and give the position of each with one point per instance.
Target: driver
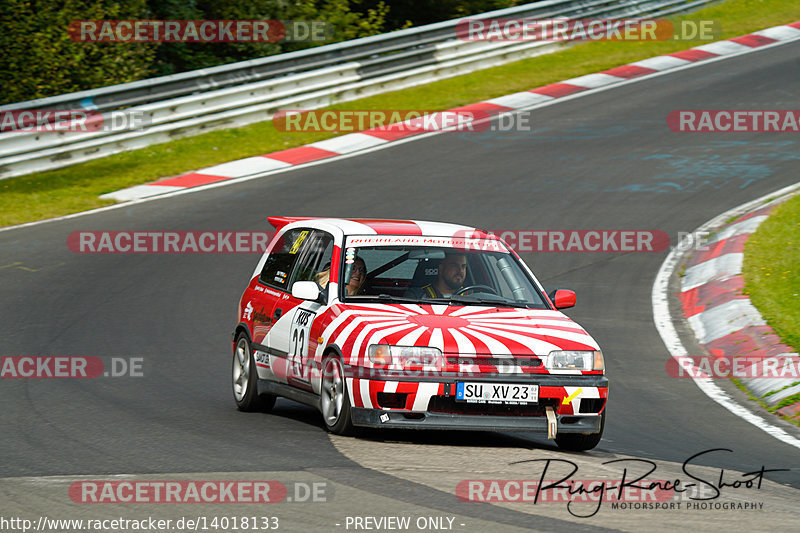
(452, 273)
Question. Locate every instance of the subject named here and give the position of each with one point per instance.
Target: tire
(577, 442)
(334, 402)
(245, 379)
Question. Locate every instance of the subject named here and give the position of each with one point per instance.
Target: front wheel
(334, 401)
(245, 379)
(576, 442)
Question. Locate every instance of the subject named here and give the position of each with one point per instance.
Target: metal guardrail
(251, 91)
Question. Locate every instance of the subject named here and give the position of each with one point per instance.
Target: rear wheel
(576, 442)
(245, 379)
(334, 402)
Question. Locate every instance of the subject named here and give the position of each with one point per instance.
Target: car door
(292, 335)
(263, 294)
(271, 298)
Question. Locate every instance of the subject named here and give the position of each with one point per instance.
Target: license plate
(497, 392)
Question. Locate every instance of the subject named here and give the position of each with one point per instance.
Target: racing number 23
(300, 329)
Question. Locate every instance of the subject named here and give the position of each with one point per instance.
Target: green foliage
(39, 59)
(419, 12)
(172, 58)
(347, 20)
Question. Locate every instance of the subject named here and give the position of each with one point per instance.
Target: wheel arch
(330, 349)
(333, 349)
(241, 327)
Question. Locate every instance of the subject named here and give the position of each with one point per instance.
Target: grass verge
(772, 270)
(786, 402)
(760, 401)
(76, 188)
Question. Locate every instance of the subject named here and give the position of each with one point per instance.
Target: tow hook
(552, 423)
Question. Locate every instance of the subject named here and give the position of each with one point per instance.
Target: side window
(279, 264)
(508, 279)
(315, 260)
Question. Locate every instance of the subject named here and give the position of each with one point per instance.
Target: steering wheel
(465, 289)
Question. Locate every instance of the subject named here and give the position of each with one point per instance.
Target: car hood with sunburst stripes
(455, 330)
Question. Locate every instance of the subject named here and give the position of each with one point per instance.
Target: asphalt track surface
(601, 161)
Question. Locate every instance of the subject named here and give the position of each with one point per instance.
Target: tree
(40, 59)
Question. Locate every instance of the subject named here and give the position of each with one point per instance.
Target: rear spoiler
(279, 222)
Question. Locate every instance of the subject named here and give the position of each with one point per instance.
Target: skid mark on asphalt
(19, 265)
(717, 165)
(443, 467)
(714, 165)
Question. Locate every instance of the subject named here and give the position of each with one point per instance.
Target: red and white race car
(411, 324)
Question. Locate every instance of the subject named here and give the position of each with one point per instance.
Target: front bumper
(577, 401)
(378, 418)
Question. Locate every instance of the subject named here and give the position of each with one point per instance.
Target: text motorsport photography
(634, 489)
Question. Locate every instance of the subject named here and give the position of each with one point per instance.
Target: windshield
(376, 269)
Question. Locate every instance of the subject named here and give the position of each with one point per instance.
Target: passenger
(358, 275)
(323, 277)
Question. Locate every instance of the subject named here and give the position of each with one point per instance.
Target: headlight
(404, 356)
(574, 360)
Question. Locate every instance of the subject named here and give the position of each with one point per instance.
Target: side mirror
(306, 290)
(562, 298)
